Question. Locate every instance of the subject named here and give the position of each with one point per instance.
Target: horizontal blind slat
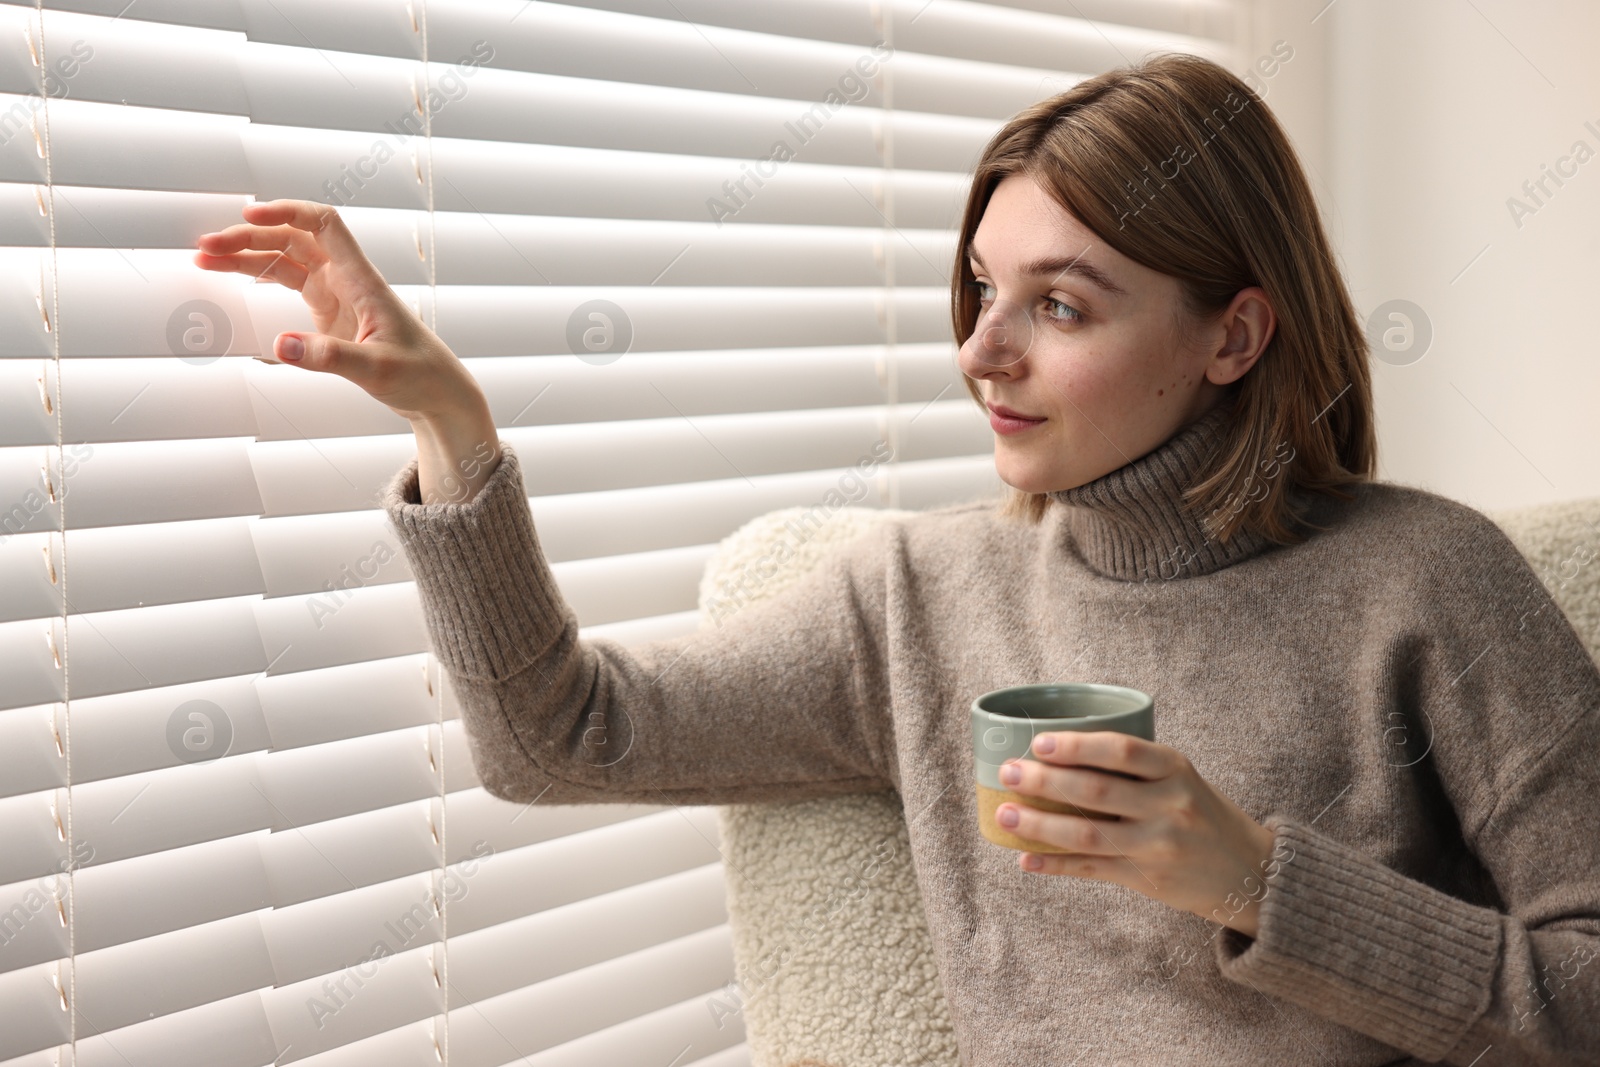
(340, 855)
(129, 566)
(128, 482)
(298, 478)
(94, 143)
(685, 1029)
(393, 842)
(232, 1032)
(602, 183)
(558, 39)
(153, 812)
(505, 1028)
(131, 649)
(851, 21)
(303, 633)
(486, 963)
(646, 385)
(472, 176)
(213, 14)
(519, 106)
(477, 816)
(159, 398)
(33, 921)
(340, 931)
(27, 284)
(1011, 36)
(31, 845)
(572, 868)
(163, 316)
(323, 1013)
(131, 983)
(348, 700)
(31, 756)
(346, 474)
(650, 628)
(166, 728)
(1218, 19)
(619, 588)
(144, 896)
(132, 61)
(98, 217)
(31, 1016)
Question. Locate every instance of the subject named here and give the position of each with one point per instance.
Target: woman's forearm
(456, 453)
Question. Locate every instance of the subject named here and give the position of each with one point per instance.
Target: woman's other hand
(1177, 839)
(365, 333)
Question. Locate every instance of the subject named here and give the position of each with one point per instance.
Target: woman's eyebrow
(1058, 265)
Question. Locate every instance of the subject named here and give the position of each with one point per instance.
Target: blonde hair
(1221, 204)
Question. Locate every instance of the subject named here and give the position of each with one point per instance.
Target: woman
(1368, 834)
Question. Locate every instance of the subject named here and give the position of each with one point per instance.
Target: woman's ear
(1248, 324)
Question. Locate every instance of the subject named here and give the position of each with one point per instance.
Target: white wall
(1437, 112)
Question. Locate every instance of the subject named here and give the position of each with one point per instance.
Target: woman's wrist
(456, 453)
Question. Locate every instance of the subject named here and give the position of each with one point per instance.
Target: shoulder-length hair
(1178, 165)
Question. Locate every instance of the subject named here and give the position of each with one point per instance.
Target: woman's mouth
(1005, 421)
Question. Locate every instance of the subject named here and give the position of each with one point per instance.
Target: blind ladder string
(441, 1049)
(52, 326)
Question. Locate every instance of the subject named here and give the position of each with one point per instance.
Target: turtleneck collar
(1130, 524)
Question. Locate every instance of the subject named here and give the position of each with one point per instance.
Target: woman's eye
(1063, 311)
(984, 291)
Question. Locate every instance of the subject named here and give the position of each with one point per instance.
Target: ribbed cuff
(491, 604)
(1360, 944)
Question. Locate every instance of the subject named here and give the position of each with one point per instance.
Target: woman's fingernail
(1007, 817)
(1044, 744)
(293, 348)
(1011, 774)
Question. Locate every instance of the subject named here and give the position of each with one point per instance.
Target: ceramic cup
(1005, 722)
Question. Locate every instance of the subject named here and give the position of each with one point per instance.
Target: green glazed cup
(1005, 722)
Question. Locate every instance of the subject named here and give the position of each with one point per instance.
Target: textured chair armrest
(834, 960)
(1561, 541)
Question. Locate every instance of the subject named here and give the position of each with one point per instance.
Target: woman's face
(1075, 335)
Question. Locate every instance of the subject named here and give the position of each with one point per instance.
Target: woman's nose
(999, 339)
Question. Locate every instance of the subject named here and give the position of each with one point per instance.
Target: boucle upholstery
(1562, 541)
(832, 954)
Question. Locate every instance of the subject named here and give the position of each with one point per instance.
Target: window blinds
(696, 251)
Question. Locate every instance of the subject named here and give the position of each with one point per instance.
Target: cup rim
(1137, 701)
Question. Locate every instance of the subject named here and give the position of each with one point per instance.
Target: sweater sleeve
(1511, 694)
(784, 700)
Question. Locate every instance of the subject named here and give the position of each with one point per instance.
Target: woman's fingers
(304, 231)
(1076, 833)
(1089, 789)
(264, 266)
(323, 220)
(1108, 750)
(284, 239)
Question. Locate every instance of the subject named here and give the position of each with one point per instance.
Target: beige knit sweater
(1398, 699)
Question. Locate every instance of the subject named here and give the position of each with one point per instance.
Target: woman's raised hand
(365, 333)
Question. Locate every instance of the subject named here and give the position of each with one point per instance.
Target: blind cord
(891, 331)
(442, 1049)
(53, 327)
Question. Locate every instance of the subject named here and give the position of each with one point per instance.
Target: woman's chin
(1023, 478)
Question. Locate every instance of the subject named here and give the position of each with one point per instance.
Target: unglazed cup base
(989, 801)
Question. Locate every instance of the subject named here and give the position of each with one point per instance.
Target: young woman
(1367, 835)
